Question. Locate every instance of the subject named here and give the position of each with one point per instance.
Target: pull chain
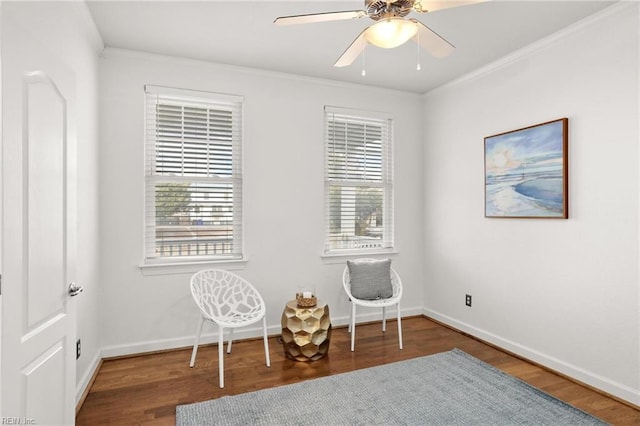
(364, 72)
(418, 67)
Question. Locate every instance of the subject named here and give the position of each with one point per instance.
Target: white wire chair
(396, 284)
(229, 301)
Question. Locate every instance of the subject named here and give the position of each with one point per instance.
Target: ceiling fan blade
(319, 17)
(431, 41)
(432, 6)
(352, 52)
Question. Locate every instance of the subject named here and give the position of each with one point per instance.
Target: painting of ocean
(526, 172)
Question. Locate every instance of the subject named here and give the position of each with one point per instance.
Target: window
(193, 176)
(358, 181)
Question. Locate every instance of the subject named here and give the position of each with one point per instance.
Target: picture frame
(526, 172)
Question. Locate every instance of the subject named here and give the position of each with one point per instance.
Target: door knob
(75, 289)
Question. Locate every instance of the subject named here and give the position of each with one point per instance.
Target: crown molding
(115, 52)
(535, 47)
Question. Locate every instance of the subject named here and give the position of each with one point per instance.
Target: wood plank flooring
(146, 389)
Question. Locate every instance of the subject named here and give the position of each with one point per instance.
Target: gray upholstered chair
(372, 283)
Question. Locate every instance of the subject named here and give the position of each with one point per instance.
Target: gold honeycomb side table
(306, 331)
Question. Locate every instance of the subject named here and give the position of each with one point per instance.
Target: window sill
(191, 267)
(343, 256)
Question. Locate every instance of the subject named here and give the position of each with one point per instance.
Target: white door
(38, 230)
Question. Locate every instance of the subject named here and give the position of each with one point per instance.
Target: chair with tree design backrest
(229, 301)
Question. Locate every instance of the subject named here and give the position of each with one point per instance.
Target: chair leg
(230, 341)
(221, 355)
(266, 341)
(353, 326)
(399, 325)
(195, 345)
(384, 319)
(350, 319)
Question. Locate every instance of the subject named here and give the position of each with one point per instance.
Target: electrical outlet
(77, 348)
(467, 300)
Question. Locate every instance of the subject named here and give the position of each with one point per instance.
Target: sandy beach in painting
(509, 199)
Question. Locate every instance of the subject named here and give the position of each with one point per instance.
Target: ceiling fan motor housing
(380, 9)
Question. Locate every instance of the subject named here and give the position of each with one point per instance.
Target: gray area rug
(449, 388)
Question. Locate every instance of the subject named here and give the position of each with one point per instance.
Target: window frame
(155, 95)
(385, 121)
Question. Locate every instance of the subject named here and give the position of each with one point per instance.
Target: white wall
(560, 292)
(67, 30)
(283, 195)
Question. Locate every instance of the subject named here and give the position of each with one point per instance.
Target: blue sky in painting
(525, 148)
(524, 172)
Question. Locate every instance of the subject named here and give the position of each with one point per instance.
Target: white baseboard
(611, 387)
(85, 380)
(375, 314)
(209, 334)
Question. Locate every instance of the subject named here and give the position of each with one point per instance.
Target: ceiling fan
(392, 29)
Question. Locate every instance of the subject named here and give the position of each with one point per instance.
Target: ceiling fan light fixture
(390, 33)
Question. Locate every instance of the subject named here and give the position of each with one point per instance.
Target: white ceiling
(242, 33)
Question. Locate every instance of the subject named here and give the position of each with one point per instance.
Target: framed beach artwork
(525, 172)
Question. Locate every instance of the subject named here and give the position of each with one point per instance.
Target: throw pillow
(370, 279)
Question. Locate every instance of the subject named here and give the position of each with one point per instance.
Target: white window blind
(358, 181)
(193, 175)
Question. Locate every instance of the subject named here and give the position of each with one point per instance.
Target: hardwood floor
(146, 389)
